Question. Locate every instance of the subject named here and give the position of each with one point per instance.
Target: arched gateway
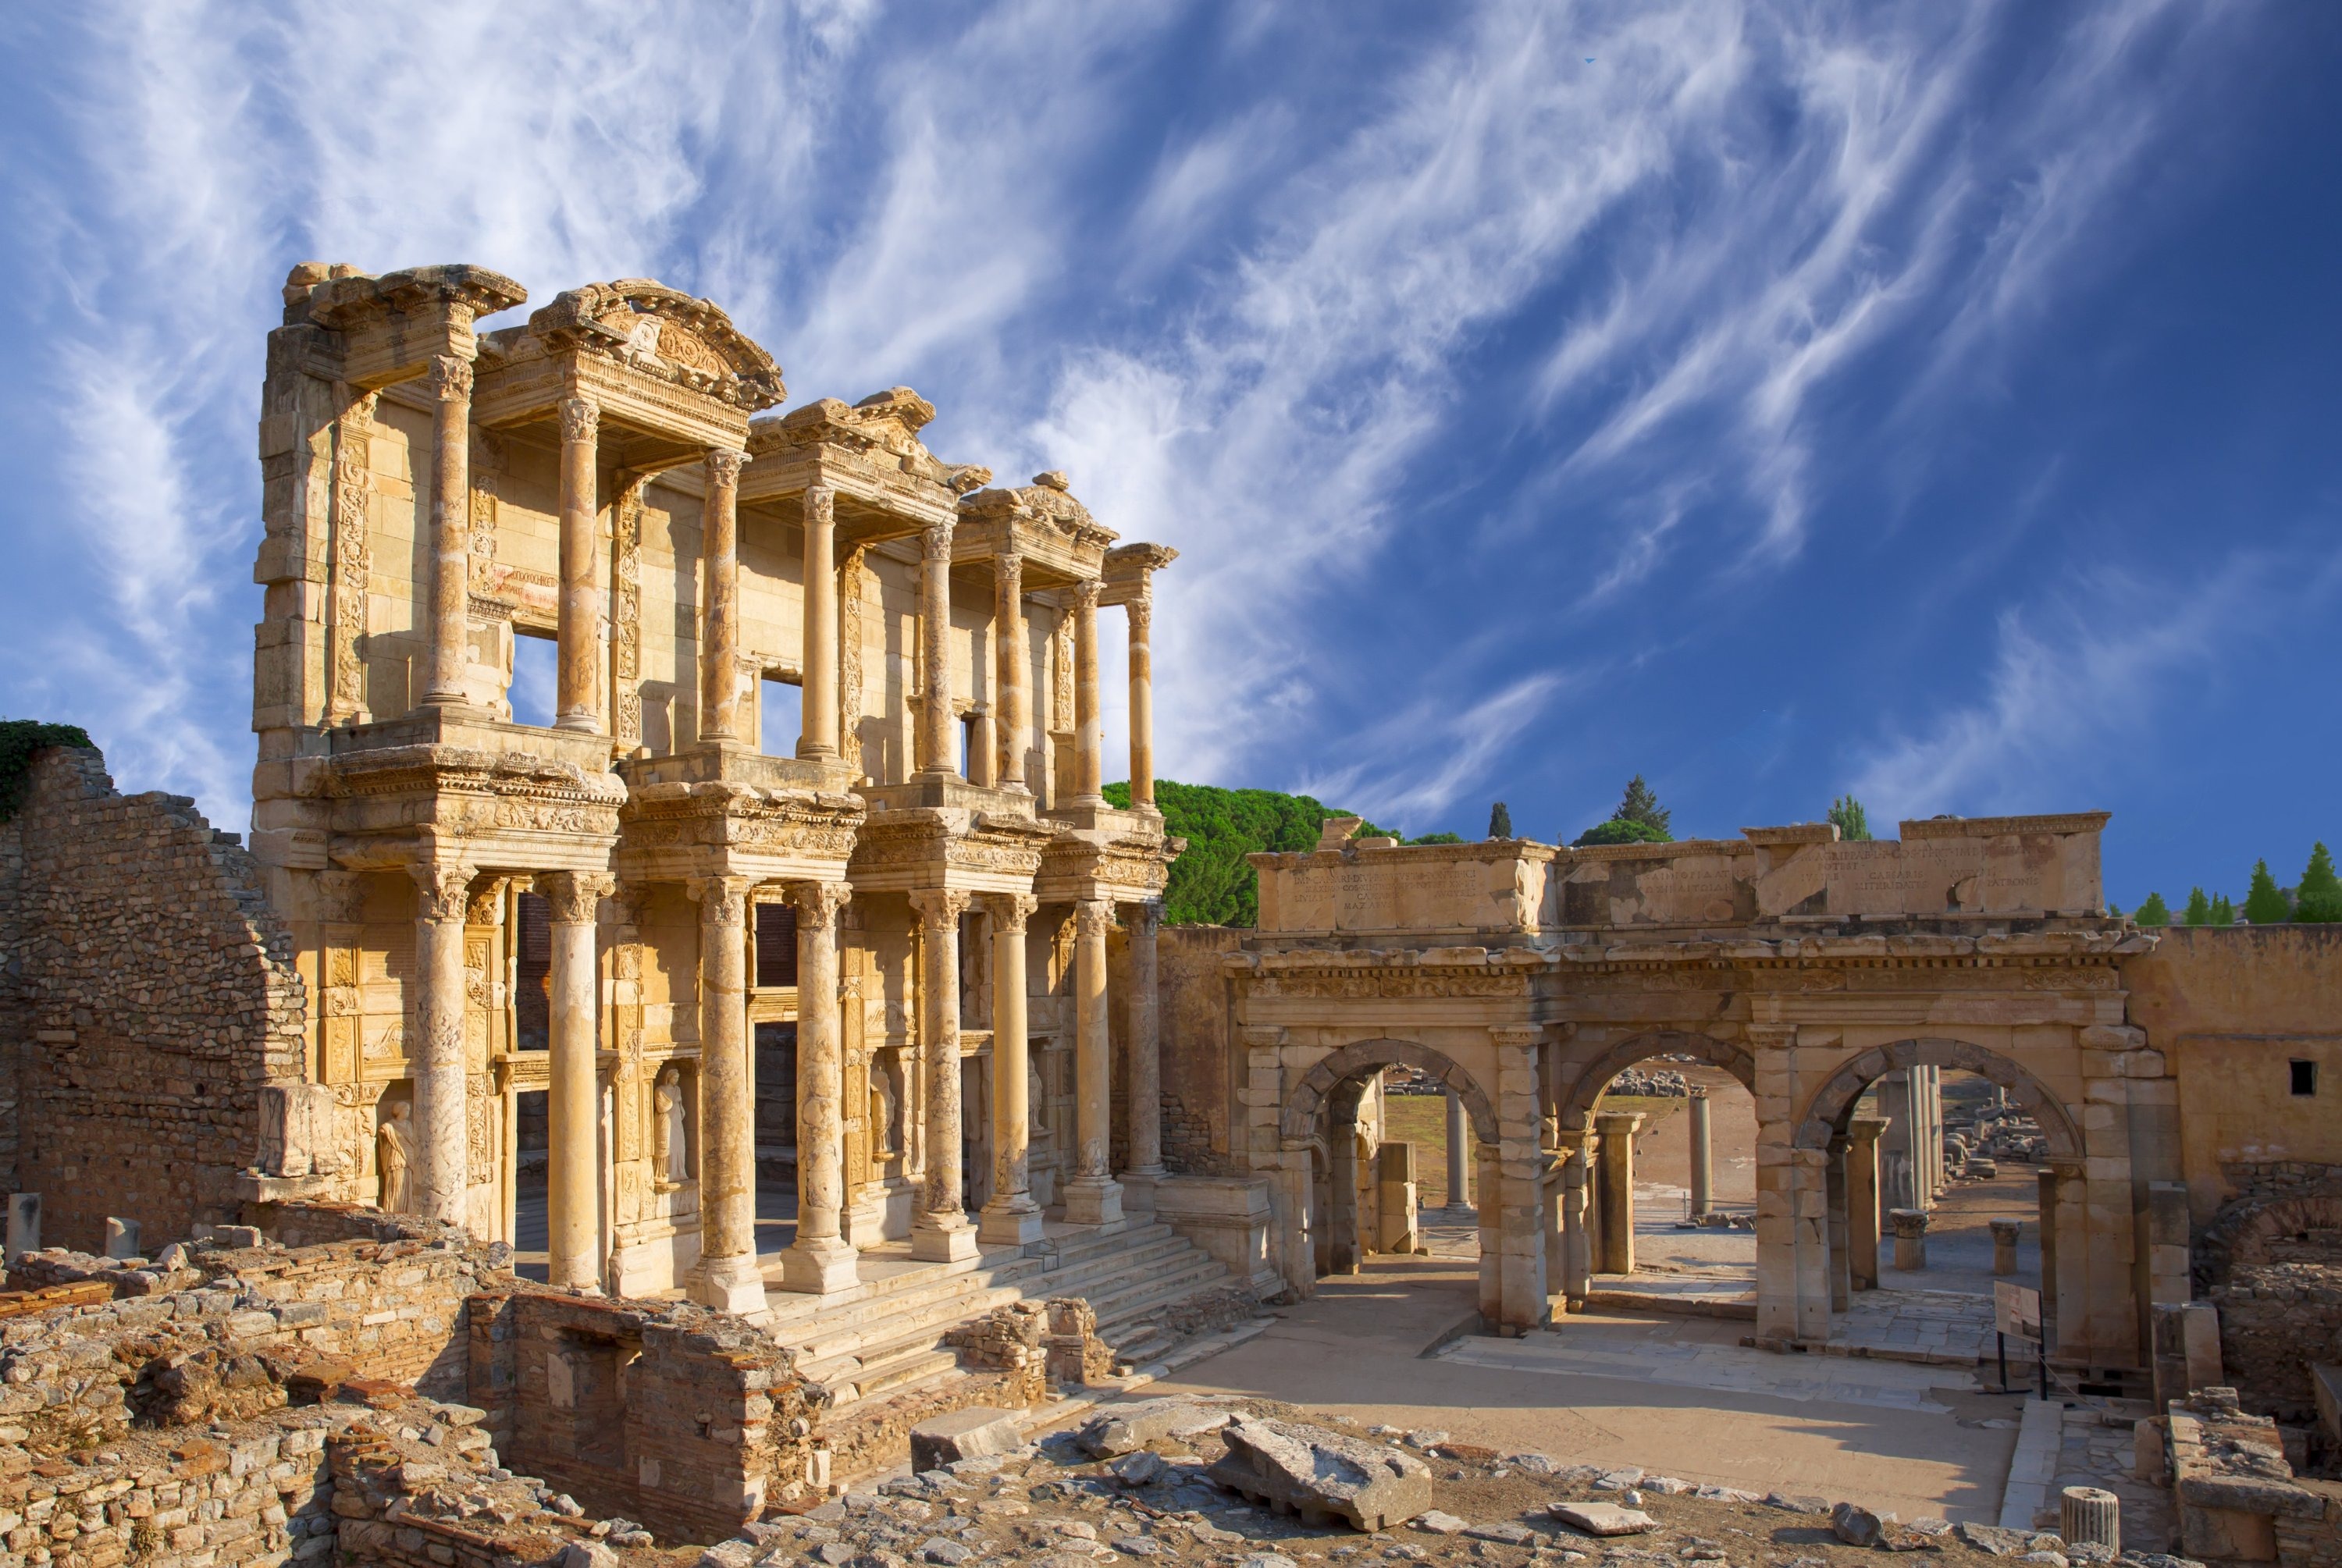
(1805, 967)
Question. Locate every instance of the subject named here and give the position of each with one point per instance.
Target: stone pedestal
(1910, 1227)
(2003, 1245)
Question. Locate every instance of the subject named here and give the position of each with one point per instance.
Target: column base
(823, 1267)
(1138, 1190)
(730, 1284)
(943, 1238)
(1094, 1201)
(1004, 1223)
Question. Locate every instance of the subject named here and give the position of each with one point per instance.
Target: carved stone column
(935, 641)
(1092, 1197)
(1459, 1186)
(578, 705)
(1141, 610)
(1577, 1255)
(1089, 716)
(817, 735)
(820, 1260)
(941, 1233)
(1617, 1130)
(728, 1275)
(450, 380)
(1862, 1202)
(572, 1100)
(719, 632)
(1016, 656)
(442, 1167)
(1145, 1089)
(1703, 1156)
(1011, 1217)
(1836, 1188)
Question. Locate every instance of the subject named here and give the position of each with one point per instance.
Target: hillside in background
(1211, 884)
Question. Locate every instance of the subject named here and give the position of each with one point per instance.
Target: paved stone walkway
(1587, 1352)
(1950, 1328)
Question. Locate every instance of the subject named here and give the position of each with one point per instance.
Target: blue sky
(1934, 402)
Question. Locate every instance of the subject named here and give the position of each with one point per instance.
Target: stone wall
(154, 997)
(683, 1418)
(1200, 1061)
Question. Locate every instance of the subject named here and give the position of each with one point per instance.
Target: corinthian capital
(724, 466)
(939, 907)
(442, 891)
(936, 544)
(581, 419)
(1085, 594)
(1093, 917)
(820, 506)
(450, 378)
(723, 900)
(1012, 910)
(575, 895)
(818, 903)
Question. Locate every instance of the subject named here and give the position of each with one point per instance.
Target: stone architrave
(1010, 1216)
(819, 1260)
(578, 678)
(940, 1232)
(572, 1100)
(442, 1169)
(728, 1275)
(1092, 1197)
(450, 380)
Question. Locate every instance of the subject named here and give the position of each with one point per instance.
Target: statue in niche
(885, 1130)
(1036, 1101)
(671, 1143)
(394, 1158)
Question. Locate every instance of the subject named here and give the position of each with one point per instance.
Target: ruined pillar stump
(2003, 1245)
(1910, 1238)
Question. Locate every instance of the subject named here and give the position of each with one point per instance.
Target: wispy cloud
(1424, 758)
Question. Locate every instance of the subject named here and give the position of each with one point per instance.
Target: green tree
(2264, 904)
(1438, 838)
(2318, 898)
(2114, 910)
(19, 740)
(1852, 822)
(2154, 912)
(1639, 805)
(1212, 883)
(2200, 909)
(1500, 820)
(2223, 912)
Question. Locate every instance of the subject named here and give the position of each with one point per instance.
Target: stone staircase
(885, 1337)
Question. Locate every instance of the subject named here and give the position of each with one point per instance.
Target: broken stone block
(1994, 1541)
(1438, 1524)
(972, 1433)
(1504, 1532)
(1138, 1469)
(1604, 1518)
(1859, 1526)
(1797, 1503)
(1322, 1475)
(122, 1238)
(1127, 1428)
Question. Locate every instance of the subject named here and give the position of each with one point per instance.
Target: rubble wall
(156, 996)
(682, 1418)
(1201, 1066)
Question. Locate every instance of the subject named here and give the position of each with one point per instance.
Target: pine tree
(2200, 909)
(2264, 904)
(1500, 820)
(2319, 896)
(1852, 822)
(2154, 912)
(2223, 912)
(2114, 910)
(1641, 805)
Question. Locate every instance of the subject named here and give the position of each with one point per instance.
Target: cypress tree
(1500, 820)
(2200, 909)
(1853, 822)
(2319, 896)
(2264, 904)
(2154, 912)
(2223, 912)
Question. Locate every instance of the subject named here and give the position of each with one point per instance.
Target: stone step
(1136, 1301)
(895, 1374)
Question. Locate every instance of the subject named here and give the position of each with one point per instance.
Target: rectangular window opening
(966, 744)
(536, 677)
(533, 975)
(776, 946)
(780, 716)
(2305, 1078)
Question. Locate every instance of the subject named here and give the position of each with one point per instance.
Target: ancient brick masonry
(154, 996)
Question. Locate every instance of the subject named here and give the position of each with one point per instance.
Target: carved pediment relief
(658, 331)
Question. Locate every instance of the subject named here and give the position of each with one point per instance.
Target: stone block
(973, 1433)
(1322, 1475)
(1603, 1519)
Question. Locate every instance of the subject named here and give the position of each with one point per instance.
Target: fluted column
(1089, 717)
(1145, 1090)
(820, 1260)
(1010, 1216)
(578, 704)
(817, 735)
(728, 1275)
(935, 640)
(573, 1164)
(450, 380)
(941, 1233)
(1016, 656)
(1092, 1197)
(441, 1171)
(1141, 610)
(719, 633)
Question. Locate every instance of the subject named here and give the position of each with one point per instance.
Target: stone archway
(1309, 1097)
(1827, 1111)
(2269, 1263)
(1577, 1105)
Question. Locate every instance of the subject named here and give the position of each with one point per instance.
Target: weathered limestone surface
(1318, 1474)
